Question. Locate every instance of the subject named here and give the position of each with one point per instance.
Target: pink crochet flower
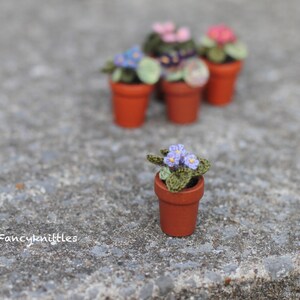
(163, 28)
(158, 28)
(222, 34)
(183, 34)
(169, 27)
(169, 37)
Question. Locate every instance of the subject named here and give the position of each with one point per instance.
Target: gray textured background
(86, 177)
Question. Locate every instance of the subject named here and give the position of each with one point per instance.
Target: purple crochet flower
(178, 150)
(184, 54)
(171, 59)
(191, 161)
(119, 60)
(175, 148)
(165, 60)
(172, 159)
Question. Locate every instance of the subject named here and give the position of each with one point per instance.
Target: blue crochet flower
(135, 54)
(178, 150)
(119, 60)
(191, 161)
(129, 59)
(172, 159)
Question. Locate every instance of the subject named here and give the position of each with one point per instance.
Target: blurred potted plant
(166, 37)
(132, 78)
(184, 77)
(179, 186)
(224, 55)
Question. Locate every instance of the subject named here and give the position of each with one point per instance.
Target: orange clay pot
(178, 211)
(221, 84)
(130, 102)
(183, 101)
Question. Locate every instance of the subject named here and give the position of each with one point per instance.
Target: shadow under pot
(178, 211)
(182, 100)
(130, 102)
(220, 87)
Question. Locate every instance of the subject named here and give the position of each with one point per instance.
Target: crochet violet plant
(166, 37)
(220, 45)
(179, 169)
(132, 66)
(193, 71)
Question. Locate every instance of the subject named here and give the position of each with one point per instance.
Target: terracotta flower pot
(183, 101)
(130, 102)
(221, 84)
(178, 211)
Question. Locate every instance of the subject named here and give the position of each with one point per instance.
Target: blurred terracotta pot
(178, 211)
(130, 102)
(221, 84)
(183, 101)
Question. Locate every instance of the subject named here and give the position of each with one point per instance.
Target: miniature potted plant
(166, 38)
(224, 55)
(179, 186)
(184, 77)
(132, 78)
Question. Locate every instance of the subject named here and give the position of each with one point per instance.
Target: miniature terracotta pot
(221, 84)
(130, 102)
(183, 101)
(178, 211)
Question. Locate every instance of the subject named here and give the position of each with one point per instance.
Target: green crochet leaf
(127, 75)
(188, 45)
(154, 159)
(177, 181)
(164, 173)
(208, 42)
(202, 50)
(109, 67)
(164, 152)
(152, 43)
(166, 48)
(116, 75)
(195, 72)
(216, 55)
(236, 50)
(174, 76)
(184, 170)
(203, 167)
(148, 70)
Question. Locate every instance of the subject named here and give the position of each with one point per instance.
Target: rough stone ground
(84, 176)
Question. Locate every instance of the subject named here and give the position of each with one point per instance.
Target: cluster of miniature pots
(181, 72)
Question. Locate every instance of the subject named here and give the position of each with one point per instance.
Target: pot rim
(227, 68)
(127, 85)
(184, 197)
(179, 87)
(131, 89)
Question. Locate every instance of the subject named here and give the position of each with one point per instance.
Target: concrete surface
(85, 177)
